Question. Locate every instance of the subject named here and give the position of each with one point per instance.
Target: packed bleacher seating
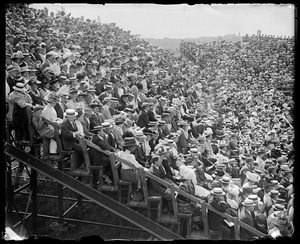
(211, 122)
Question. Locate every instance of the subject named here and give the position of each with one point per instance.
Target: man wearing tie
(61, 106)
(70, 139)
(107, 127)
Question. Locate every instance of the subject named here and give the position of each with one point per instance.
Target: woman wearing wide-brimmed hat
(129, 173)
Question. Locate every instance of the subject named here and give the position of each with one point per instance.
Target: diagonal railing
(97, 197)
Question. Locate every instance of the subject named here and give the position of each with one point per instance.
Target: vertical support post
(236, 228)
(60, 203)
(33, 182)
(9, 187)
(204, 218)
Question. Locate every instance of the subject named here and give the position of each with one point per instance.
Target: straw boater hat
(20, 86)
(193, 150)
(217, 191)
(248, 203)
(144, 104)
(139, 134)
(70, 112)
(128, 122)
(285, 168)
(97, 128)
(119, 120)
(106, 125)
(225, 180)
(129, 142)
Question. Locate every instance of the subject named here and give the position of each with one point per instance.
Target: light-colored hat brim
(70, 115)
(19, 89)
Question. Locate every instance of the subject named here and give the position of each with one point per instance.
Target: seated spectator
(70, 139)
(128, 173)
(247, 216)
(156, 189)
(98, 158)
(215, 221)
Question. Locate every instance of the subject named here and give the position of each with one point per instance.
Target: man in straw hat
(246, 216)
(99, 158)
(215, 221)
(70, 139)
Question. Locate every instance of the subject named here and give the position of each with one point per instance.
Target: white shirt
(79, 127)
(50, 114)
(129, 157)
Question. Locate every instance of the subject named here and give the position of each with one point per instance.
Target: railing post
(204, 219)
(60, 201)
(33, 179)
(236, 228)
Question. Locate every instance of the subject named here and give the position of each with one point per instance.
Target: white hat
(70, 112)
(20, 87)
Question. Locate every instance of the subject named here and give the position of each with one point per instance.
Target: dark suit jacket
(38, 56)
(151, 116)
(140, 155)
(67, 135)
(143, 119)
(174, 125)
(182, 144)
(99, 87)
(168, 170)
(59, 110)
(111, 141)
(159, 110)
(102, 96)
(215, 220)
(96, 157)
(95, 120)
(10, 82)
(248, 219)
(155, 187)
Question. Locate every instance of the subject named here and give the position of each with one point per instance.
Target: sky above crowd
(185, 21)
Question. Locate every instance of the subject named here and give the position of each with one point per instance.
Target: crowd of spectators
(217, 127)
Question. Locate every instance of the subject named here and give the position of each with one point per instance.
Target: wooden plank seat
(87, 169)
(176, 217)
(62, 156)
(170, 218)
(148, 201)
(118, 185)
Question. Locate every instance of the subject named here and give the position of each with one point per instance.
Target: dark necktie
(75, 126)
